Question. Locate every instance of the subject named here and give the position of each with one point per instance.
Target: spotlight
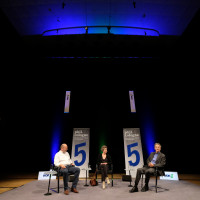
(86, 30)
(134, 4)
(144, 15)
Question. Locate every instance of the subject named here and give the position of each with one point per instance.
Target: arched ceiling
(33, 17)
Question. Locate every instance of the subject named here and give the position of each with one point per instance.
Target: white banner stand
(80, 149)
(132, 150)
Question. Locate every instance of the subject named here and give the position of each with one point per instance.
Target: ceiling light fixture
(134, 4)
(63, 5)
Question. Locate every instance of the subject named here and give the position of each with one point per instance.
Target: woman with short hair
(104, 160)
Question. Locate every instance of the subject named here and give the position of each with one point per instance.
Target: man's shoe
(134, 189)
(74, 190)
(145, 188)
(66, 192)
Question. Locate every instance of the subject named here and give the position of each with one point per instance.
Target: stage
(188, 187)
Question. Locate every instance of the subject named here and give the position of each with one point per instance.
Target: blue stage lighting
(148, 128)
(55, 143)
(149, 136)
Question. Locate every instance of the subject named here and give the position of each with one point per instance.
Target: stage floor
(26, 186)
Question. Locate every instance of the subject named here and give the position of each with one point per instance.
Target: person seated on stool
(104, 160)
(62, 160)
(156, 159)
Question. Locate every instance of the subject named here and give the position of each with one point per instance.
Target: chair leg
(58, 184)
(142, 182)
(156, 182)
(112, 180)
(96, 177)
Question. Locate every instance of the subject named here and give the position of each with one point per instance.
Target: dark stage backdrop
(32, 108)
(33, 92)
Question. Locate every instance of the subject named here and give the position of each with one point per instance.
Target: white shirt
(62, 158)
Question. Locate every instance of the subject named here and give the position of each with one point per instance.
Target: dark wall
(32, 101)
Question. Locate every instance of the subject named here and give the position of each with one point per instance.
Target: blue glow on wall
(149, 135)
(147, 123)
(55, 143)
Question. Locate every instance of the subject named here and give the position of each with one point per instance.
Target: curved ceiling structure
(34, 17)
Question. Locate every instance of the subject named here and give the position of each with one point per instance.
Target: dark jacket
(160, 162)
(99, 160)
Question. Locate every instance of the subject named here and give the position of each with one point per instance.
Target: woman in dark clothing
(104, 160)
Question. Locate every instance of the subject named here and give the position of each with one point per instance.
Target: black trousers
(148, 171)
(104, 172)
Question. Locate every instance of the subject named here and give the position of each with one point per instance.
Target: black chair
(110, 171)
(57, 169)
(156, 174)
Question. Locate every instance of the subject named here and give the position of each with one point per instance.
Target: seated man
(156, 159)
(62, 160)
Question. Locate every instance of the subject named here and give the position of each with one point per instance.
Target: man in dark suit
(156, 159)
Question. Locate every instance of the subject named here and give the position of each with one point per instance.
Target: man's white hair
(157, 144)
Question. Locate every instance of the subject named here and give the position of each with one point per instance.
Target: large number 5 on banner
(130, 153)
(77, 152)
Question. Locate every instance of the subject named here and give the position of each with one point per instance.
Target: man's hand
(151, 164)
(62, 166)
(104, 163)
